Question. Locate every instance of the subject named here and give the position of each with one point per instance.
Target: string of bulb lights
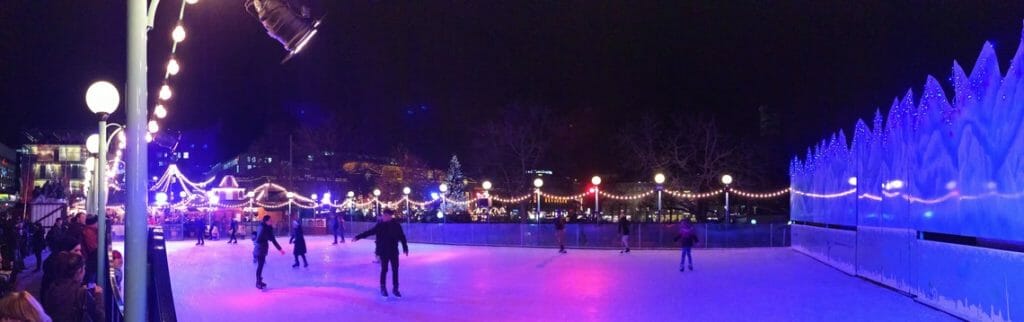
(173, 67)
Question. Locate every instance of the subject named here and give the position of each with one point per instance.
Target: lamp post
(102, 98)
(291, 196)
(659, 179)
(444, 201)
(596, 181)
(408, 211)
(351, 204)
(250, 195)
(727, 180)
(376, 201)
(538, 183)
(487, 194)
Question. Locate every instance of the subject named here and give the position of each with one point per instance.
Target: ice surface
(462, 283)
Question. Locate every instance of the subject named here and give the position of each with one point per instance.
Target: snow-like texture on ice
(951, 164)
(470, 283)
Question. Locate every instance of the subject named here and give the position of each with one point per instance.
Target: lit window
(270, 160)
(185, 155)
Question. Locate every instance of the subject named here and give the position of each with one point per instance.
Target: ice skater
(201, 230)
(299, 241)
(388, 234)
(234, 231)
(688, 235)
(264, 236)
(624, 230)
(560, 233)
(337, 228)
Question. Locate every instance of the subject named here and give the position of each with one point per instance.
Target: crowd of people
(68, 288)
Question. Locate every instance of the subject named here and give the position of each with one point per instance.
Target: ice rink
(216, 282)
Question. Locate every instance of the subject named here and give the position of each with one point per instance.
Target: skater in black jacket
(388, 233)
(624, 231)
(264, 236)
(234, 231)
(560, 233)
(299, 240)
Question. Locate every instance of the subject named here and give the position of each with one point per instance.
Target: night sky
(424, 74)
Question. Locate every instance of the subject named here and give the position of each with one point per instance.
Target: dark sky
(425, 73)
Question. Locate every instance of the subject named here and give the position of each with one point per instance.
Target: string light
(173, 67)
(165, 92)
(160, 111)
(760, 195)
(178, 34)
(153, 127)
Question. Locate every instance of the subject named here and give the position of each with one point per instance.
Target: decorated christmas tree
(456, 184)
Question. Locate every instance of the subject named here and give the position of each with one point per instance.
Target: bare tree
(513, 144)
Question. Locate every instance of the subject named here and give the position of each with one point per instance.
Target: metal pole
(538, 206)
(101, 207)
(408, 211)
(597, 211)
(659, 204)
(135, 157)
(727, 205)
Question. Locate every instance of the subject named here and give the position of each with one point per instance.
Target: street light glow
(487, 185)
(538, 183)
(443, 187)
(406, 191)
(727, 179)
(659, 178)
(376, 192)
(596, 180)
(102, 97)
(92, 144)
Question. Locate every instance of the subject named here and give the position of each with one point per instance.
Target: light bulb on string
(153, 127)
(173, 67)
(178, 34)
(165, 92)
(149, 137)
(159, 111)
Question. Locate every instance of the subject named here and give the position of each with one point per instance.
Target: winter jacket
(300, 241)
(560, 223)
(624, 226)
(688, 236)
(389, 234)
(67, 300)
(264, 236)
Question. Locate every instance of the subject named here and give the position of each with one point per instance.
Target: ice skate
(396, 293)
(384, 292)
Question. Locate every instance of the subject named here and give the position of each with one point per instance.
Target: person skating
(201, 230)
(234, 231)
(264, 236)
(299, 241)
(560, 233)
(624, 230)
(388, 234)
(688, 235)
(38, 244)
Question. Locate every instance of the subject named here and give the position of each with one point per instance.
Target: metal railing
(589, 235)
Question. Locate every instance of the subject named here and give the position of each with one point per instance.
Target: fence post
(771, 235)
(706, 241)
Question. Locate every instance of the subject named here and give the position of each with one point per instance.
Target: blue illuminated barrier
(647, 235)
(929, 200)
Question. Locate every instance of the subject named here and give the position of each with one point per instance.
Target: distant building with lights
(9, 181)
(59, 165)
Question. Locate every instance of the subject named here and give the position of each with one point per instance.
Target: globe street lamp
(444, 201)
(596, 181)
(538, 183)
(102, 98)
(487, 193)
(351, 204)
(408, 211)
(726, 180)
(376, 199)
(659, 179)
(291, 197)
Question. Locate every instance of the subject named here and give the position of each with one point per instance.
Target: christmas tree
(456, 184)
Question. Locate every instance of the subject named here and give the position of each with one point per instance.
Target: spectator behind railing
(66, 299)
(21, 306)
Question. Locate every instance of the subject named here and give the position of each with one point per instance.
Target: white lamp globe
(351, 194)
(659, 178)
(443, 187)
(596, 180)
(852, 181)
(406, 190)
(487, 185)
(727, 179)
(538, 182)
(90, 164)
(102, 97)
(376, 192)
(214, 200)
(312, 196)
(92, 144)
(290, 195)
